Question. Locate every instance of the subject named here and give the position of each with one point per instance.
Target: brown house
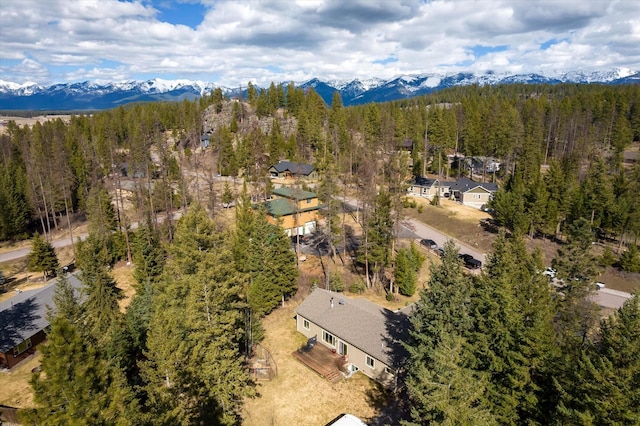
(295, 210)
(23, 322)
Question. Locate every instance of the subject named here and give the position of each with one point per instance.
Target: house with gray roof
(471, 193)
(423, 187)
(288, 169)
(23, 322)
(366, 334)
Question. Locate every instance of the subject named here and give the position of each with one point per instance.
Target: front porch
(322, 360)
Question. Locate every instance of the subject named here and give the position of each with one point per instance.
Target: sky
(233, 42)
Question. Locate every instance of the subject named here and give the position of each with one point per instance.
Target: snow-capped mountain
(102, 95)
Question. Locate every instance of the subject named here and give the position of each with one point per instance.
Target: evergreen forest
(501, 347)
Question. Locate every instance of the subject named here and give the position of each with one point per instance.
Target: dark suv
(429, 244)
(470, 262)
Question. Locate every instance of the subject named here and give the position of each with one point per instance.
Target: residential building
(294, 209)
(471, 193)
(366, 334)
(423, 187)
(291, 170)
(23, 322)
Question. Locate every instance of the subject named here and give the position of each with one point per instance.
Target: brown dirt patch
(15, 390)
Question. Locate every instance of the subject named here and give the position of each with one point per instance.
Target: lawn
(454, 219)
(15, 390)
(298, 395)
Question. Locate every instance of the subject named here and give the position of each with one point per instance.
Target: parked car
(470, 262)
(550, 272)
(600, 285)
(429, 244)
(298, 239)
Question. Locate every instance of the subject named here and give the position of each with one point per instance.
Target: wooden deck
(323, 361)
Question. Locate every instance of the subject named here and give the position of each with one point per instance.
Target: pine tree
(42, 257)
(512, 338)
(65, 302)
(438, 357)
(100, 306)
(377, 248)
(445, 392)
(148, 255)
(272, 268)
(194, 371)
(75, 387)
(407, 265)
(630, 259)
(602, 383)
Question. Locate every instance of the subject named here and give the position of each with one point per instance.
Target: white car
(600, 285)
(550, 272)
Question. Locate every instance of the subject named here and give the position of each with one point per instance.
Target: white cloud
(276, 40)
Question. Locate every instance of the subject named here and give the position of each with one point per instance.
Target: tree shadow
(17, 322)
(391, 399)
(490, 225)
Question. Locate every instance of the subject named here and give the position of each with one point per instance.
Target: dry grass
(456, 220)
(298, 395)
(123, 275)
(618, 280)
(15, 390)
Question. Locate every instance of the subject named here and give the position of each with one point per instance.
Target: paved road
(608, 298)
(419, 231)
(605, 297)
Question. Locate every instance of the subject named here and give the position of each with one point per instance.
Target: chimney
(331, 303)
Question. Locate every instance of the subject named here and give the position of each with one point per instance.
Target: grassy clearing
(15, 390)
(456, 220)
(618, 280)
(298, 395)
(123, 275)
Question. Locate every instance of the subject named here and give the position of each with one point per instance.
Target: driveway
(419, 230)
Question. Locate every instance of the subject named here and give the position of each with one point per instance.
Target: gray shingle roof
(424, 182)
(24, 315)
(371, 328)
(465, 184)
(295, 168)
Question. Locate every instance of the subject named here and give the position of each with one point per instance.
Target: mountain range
(93, 96)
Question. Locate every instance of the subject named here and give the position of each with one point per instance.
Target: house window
(329, 338)
(305, 324)
(309, 201)
(476, 196)
(388, 371)
(370, 362)
(22, 347)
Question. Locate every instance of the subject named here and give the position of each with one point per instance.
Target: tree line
(178, 354)
(507, 348)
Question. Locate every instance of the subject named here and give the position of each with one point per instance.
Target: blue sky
(232, 42)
